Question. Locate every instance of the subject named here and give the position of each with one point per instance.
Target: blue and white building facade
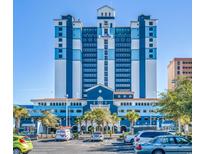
(105, 65)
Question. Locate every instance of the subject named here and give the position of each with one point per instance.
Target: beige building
(179, 67)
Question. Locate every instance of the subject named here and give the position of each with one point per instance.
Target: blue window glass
(60, 39)
(60, 56)
(60, 23)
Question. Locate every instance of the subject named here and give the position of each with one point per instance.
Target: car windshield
(153, 134)
(60, 131)
(97, 133)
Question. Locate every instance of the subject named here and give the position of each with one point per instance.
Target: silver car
(97, 136)
(165, 145)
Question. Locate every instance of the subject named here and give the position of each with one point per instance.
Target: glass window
(150, 34)
(150, 56)
(109, 14)
(150, 23)
(153, 134)
(78, 111)
(106, 14)
(60, 45)
(60, 34)
(106, 31)
(60, 50)
(102, 14)
(150, 45)
(105, 22)
(60, 28)
(151, 28)
(181, 140)
(60, 39)
(100, 25)
(60, 23)
(178, 72)
(151, 39)
(110, 25)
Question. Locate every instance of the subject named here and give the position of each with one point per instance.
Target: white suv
(146, 136)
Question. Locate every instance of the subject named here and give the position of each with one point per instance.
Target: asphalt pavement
(108, 146)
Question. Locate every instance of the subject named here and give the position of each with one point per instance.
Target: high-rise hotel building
(123, 58)
(104, 66)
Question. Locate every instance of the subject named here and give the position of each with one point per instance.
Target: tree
(132, 117)
(114, 119)
(88, 116)
(48, 120)
(101, 116)
(18, 113)
(79, 121)
(177, 104)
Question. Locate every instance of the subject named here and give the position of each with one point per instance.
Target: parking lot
(108, 146)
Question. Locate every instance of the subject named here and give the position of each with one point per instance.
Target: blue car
(165, 145)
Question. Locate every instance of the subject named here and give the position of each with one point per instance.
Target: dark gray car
(165, 145)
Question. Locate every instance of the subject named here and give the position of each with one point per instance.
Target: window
(145, 111)
(60, 23)
(150, 23)
(153, 134)
(178, 63)
(109, 14)
(60, 40)
(106, 14)
(78, 111)
(60, 34)
(60, 50)
(178, 72)
(181, 140)
(150, 50)
(178, 67)
(151, 29)
(150, 34)
(105, 22)
(106, 31)
(60, 45)
(102, 14)
(62, 111)
(151, 56)
(110, 25)
(151, 39)
(150, 45)
(60, 28)
(100, 25)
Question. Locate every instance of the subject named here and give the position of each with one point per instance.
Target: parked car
(31, 135)
(97, 136)
(63, 135)
(130, 138)
(147, 135)
(168, 144)
(22, 144)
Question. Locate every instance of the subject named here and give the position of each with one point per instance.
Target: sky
(34, 37)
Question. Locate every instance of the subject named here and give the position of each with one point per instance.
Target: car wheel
(17, 151)
(158, 152)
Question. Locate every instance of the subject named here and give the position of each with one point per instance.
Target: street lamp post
(67, 112)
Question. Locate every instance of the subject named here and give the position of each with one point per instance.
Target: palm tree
(79, 121)
(18, 113)
(132, 117)
(114, 119)
(101, 117)
(86, 118)
(49, 120)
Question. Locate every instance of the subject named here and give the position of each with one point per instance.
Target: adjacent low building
(179, 67)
